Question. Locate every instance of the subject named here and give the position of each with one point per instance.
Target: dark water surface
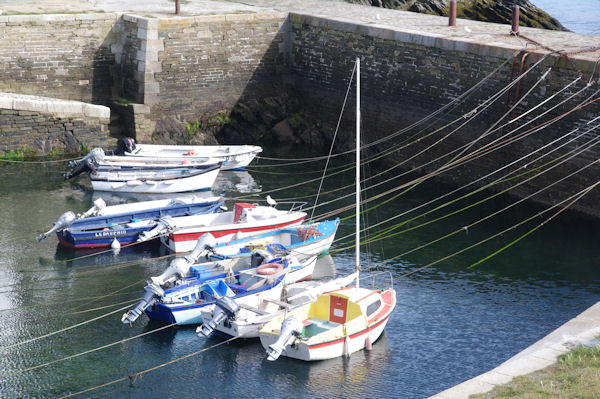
(451, 323)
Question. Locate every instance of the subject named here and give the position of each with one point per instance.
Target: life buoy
(269, 268)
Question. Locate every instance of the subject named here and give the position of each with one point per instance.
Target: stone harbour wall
(209, 63)
(406, 76)
(61, 56)
(45, 125)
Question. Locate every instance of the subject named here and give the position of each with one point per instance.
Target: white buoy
(115, 244)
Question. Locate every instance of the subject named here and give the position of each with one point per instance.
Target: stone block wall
(407, 76)
(208, 63)
(61, 56)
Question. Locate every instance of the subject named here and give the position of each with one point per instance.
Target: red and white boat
(181, 234)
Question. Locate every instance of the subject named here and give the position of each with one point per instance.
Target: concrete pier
(581, 330)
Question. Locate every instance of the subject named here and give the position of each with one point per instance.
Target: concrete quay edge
(581, 330)
(58, 107)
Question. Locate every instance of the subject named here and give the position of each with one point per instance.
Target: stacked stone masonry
(183, 67)
(45, 132)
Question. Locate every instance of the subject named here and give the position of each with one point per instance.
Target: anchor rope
(385, 234)
(134, 376)
(574, 198)
(499, 180)
(3, 348)
(458, 99)
(39, 366)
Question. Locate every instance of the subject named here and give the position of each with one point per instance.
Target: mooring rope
(27, 341)
(486, 186)
(39, 366)
(386, 234)
(134, 376)
(574, 198)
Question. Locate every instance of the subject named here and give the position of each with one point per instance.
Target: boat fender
(291, 328)
(268, 269)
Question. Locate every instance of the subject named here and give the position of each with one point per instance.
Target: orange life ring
(269, 268)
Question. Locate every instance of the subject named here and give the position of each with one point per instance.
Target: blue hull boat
(101, 231)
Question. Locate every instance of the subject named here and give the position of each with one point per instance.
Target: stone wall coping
(492, 43)
(58, 17)
(145, 22)
(59, 107)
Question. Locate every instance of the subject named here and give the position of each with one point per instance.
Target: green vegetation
(223, 120)
(123, 101)
(575, 375)
(20, 155)
(192, 129)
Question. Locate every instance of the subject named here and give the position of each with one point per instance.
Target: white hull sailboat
(338, 323)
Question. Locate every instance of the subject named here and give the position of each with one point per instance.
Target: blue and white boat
(101, 225)
(208, 257)
(183, 304)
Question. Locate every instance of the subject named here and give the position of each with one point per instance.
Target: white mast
(357, 266)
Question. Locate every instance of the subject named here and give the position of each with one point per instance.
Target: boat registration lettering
(110, 233)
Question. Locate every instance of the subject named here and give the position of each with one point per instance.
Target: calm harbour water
(580, 16)
(451, 323)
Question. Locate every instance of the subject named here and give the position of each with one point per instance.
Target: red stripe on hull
(220, 233)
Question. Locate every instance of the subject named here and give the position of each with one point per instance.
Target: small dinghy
(180, 234)
(302, 241)
(102, 224)
(183, 304)
(234, 157)
(165, 177)
(234, 320)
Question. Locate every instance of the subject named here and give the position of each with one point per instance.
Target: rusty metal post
(452, 16)
(515, 21)
(178, 7)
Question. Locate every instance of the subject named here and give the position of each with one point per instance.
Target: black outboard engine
(225, 307)
(259, 257)
(85, 164)
(126, 144)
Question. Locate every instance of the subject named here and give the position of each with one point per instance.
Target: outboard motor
(259, 256)
(291, 328)
(165, 224)
(152, 293)
(179, 267)
(99, 205)
(126, 144)
(225, 307)
(85, 164)
(64, 221)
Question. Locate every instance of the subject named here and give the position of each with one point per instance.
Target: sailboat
(340, 322)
